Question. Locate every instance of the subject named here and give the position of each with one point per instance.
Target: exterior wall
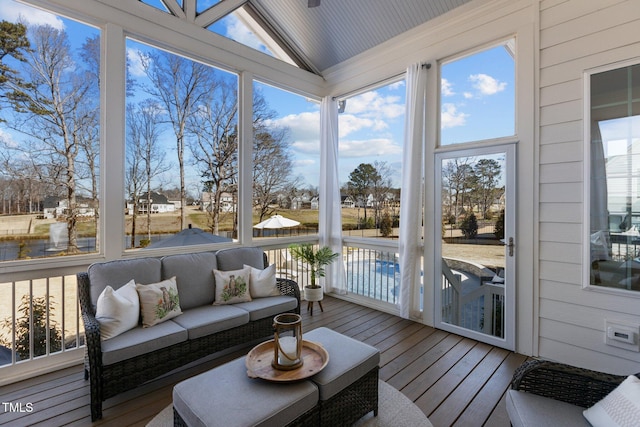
(576, 35)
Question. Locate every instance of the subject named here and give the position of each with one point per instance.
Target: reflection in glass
(615, 179)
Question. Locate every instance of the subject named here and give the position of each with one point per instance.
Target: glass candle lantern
(287, 340)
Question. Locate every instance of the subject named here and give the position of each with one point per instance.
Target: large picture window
(181, 168)
(370, 164)
(49, 135)
(614, 151)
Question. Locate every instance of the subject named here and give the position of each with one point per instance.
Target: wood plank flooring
(455, 381)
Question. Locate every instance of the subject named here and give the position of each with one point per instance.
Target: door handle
(511, 245)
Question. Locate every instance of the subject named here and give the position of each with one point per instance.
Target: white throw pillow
(117, 311)
(262, 283)
(620, 408)
(232, 286)
(159, 301)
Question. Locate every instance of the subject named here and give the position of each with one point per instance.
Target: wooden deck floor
(454, 380)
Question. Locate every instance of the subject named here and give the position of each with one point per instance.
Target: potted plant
(316, 261)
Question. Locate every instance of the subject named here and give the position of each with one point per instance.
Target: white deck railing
(46, 301)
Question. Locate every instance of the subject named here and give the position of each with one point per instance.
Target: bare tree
(182, 86)
(53, 112)
(214, 147)
(272, 164)
(145, 158)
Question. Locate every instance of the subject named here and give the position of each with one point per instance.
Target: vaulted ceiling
(316, 34)
(337, 30)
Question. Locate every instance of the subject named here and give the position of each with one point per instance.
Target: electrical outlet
(622, 335)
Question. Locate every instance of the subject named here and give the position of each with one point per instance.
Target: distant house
(226, 201)
(347, 201)
(58, 207)
(159, 204)
(302, 201)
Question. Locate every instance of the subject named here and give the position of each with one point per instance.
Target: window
(370, 163)
(49, 135)
(615, 178)
(286, 161)
(181, 168)
(477, 96)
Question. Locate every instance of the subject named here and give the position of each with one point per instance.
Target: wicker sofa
(545, 393)
(138, 355)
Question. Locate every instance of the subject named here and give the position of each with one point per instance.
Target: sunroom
(471, 161)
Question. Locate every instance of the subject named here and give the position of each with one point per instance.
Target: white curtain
(330, 220)
(411, 190)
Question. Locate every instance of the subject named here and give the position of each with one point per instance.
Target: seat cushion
(267, 307)
(193, 273)
(209, 319)
(141, 340)
(226, 396)
(349, 360)
(532, 410)
(119, 272)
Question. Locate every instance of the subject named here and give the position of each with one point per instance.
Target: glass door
(476, 256)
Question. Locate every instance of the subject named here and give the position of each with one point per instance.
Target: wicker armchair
(578, 386)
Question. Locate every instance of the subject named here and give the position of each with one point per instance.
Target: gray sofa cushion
(349, 360)
(209, 319)
(236, 258)
(119, 272)
(260, 308)
(194, 276)
(141, 340)
(226, 396)
(532, 410)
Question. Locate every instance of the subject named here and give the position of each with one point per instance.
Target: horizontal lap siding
(575, 36)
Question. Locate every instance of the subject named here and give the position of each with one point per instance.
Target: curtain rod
(426, 65)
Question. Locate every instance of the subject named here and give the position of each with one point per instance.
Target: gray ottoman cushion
(531, 410)
(209, 319)
(225, 396)
(349, 360)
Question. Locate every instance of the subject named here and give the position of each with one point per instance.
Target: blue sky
(477, 102)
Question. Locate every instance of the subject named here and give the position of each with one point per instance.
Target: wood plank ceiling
(337, 30)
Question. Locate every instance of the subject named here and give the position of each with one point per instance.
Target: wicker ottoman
(348, 385)
(225, 396)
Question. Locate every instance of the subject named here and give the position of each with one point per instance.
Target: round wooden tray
(259, 359)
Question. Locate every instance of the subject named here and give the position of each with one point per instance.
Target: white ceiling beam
(190, 9)
(174, 8)
(218, 11)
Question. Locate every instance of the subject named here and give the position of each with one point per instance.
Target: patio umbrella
(277, 221)
(189, 236)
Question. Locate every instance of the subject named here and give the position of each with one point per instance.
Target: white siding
(575, 35)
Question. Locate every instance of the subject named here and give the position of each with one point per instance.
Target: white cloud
(350, 123)
(135, 64)
(486, 84)
(7, 139)
(13, 12)
(467, 95)
(446, 88)
(451, 117)
(373, 105)
(302, 163)
(239, 32)
(370, 147)
(300, 125)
